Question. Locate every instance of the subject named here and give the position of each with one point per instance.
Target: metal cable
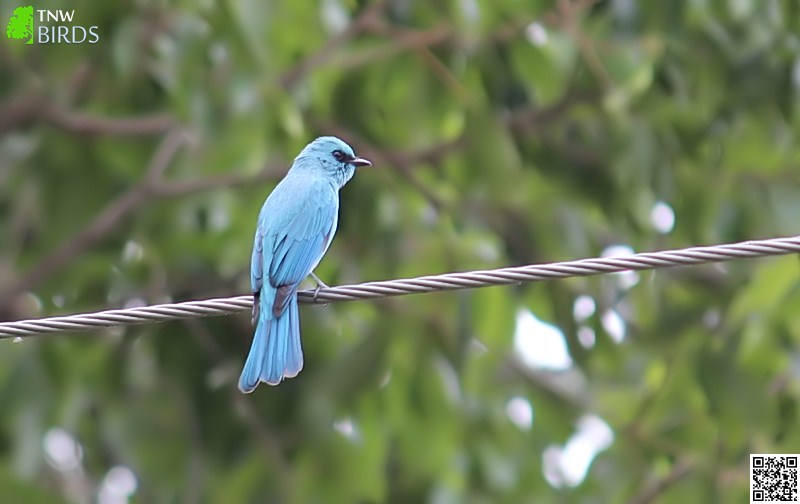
(373, 290)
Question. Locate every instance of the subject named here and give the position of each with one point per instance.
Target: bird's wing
(257, 270)
(294, 242)
(256, 261)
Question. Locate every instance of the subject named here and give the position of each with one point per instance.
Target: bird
(295, 227)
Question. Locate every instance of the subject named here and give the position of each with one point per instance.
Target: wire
(400, 287)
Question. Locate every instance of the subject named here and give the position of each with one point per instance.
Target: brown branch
(289, 79)
(558, 387)
(408, 40)
(568, 18)
(444, 74)
(85, 124)
(18, 110)
(31, 108)
(432, 155)
(152, 187)
(408, 174)
(101, 225)
(652, 492)
(174, 188)
(76, 82)
(533, 119)
(162, 158)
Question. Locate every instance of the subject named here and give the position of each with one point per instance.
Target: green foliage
(502, 133)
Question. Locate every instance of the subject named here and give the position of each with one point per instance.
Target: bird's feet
(320, 285)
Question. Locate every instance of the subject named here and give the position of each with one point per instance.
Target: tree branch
(653, 491)
(31, 108)
(84, 124)
(289, 79)
(101, 225)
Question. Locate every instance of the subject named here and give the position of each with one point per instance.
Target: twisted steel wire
(400, 287)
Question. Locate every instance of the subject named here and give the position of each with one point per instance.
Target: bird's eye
(338, 155)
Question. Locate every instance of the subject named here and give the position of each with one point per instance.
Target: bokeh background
(502, 132)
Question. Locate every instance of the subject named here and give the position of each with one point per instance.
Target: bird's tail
(276, 352)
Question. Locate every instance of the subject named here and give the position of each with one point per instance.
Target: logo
(20, 26)
(42, 26)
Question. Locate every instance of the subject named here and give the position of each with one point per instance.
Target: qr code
(773, 478)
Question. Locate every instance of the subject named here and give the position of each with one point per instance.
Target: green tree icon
(20, 25)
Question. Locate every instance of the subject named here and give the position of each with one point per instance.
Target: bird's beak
(357, 161)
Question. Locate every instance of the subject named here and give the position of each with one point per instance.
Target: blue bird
(295, 228)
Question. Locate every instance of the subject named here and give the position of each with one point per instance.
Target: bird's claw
(320, 285)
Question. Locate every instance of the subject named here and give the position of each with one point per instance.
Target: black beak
(357, 161)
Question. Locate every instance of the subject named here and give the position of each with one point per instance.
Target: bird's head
(333, 156)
